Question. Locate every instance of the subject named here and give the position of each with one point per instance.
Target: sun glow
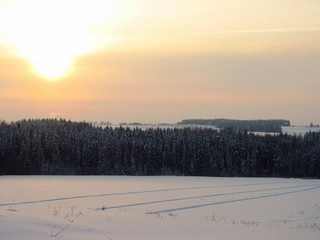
(52, 34)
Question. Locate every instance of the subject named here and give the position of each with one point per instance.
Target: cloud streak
(244, 31)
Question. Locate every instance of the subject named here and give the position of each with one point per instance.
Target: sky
(160, 61)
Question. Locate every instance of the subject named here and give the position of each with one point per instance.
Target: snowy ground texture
(117, 208)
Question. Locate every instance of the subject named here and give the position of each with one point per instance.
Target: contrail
(182, 34)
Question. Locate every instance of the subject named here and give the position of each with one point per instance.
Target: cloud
(240, 31)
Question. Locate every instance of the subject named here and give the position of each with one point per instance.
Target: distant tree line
(51, 146)
(271, 125)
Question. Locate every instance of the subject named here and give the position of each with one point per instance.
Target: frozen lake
(118, 208)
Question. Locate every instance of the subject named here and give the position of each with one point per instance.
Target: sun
(49, 34)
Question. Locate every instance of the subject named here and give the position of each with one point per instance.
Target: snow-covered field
(299, 130)
(117, 208)
(161, 126)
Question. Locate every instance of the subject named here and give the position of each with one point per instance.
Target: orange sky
(160, 61)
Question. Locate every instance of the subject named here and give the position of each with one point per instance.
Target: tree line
(52, 146)
(270, 125)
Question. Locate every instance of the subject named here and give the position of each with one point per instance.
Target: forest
(270, 125)
(62, 147)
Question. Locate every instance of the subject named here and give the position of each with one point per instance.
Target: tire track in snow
(137, 192)
(197, 197)
(232, 201)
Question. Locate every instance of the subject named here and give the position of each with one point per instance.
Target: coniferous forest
(52, 146)
(273, 126)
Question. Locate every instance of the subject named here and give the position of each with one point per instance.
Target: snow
(161, 126)
(299, 130)
(122, 207)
